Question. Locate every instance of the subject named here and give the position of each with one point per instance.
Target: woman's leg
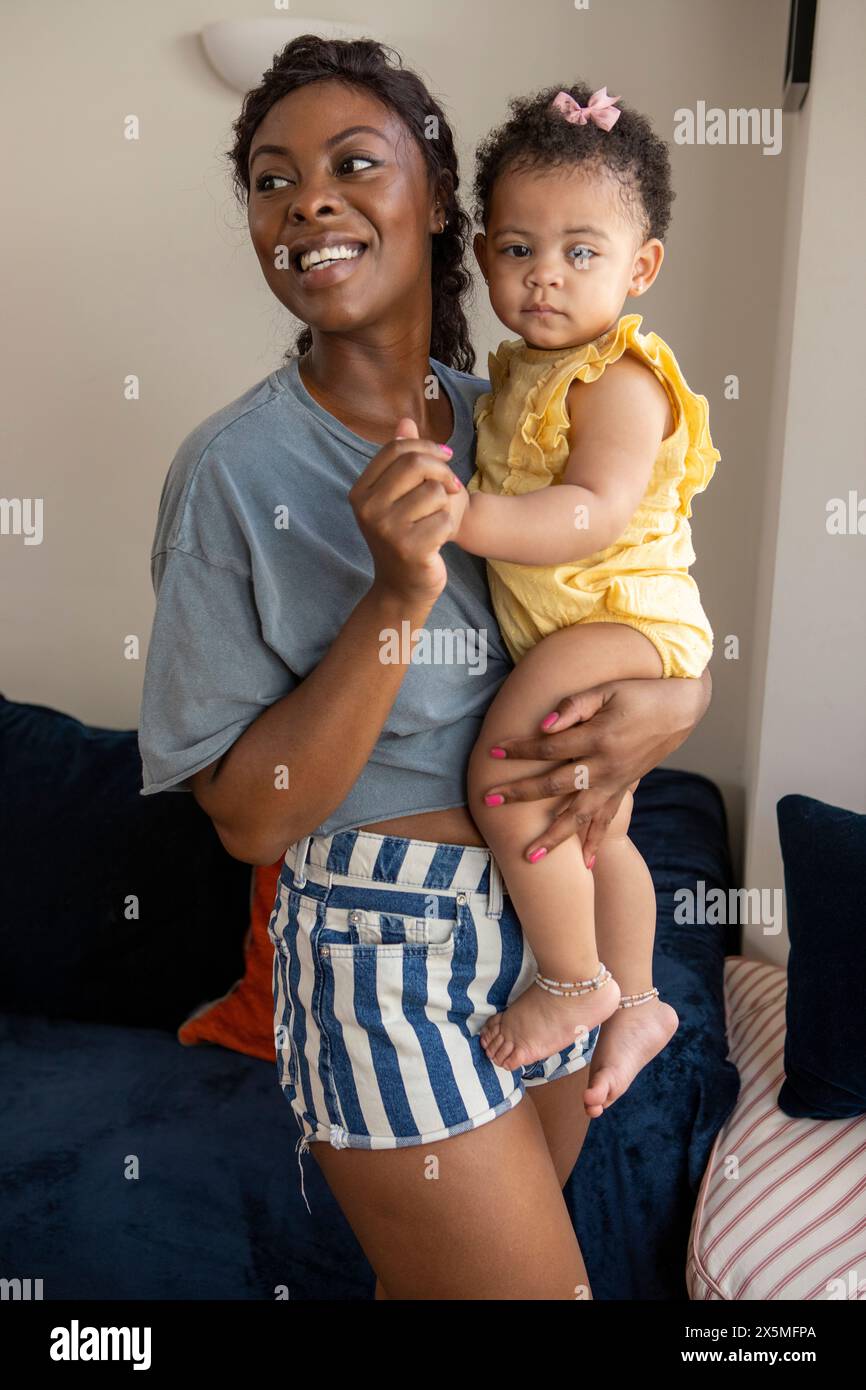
(563, 1117)
(564, 1122)
(487, 1220)
(554, 896)
(625, 914)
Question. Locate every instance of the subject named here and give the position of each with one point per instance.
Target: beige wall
(807, 709)
(133, 258)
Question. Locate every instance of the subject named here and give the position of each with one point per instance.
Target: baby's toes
(520, 1056)
(596, 1095)
(493, 1046)
(500, 1051)
(490, 1031)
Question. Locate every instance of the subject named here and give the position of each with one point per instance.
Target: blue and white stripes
(391, 954)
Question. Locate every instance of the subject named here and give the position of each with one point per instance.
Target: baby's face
(562, 239)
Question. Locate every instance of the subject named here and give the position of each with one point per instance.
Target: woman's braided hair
(371, 65)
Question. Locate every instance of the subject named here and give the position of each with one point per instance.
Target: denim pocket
(356, 930)
(389, 974)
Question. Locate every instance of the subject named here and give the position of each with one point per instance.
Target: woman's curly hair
(377, 68)
(536, 137)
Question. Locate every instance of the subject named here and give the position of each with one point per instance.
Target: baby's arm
(616, 426)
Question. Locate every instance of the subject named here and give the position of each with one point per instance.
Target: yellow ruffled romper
(641, 580)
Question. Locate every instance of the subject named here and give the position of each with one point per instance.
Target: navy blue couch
(132, 1167)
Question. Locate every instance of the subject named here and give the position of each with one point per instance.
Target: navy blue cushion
(78, 842)
(633, 1192)
(824, 850)
(215, 1211)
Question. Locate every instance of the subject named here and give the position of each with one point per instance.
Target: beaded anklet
(629, 1001)
(574, 987)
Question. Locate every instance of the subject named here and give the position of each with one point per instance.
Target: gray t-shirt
(257, 562)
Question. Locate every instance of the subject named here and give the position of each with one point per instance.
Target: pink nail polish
(497, 752)
(537, 854)
(550, 719)
(445, 449)
(494, 799)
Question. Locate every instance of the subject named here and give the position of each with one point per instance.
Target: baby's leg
(625, 915)
(625, 904)
(554, 896)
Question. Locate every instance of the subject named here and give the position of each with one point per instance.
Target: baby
(590, 448)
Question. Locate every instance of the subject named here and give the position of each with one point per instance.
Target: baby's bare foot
(629, 1039)
(540, 1023)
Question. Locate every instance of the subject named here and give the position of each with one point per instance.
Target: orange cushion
(243, 1020)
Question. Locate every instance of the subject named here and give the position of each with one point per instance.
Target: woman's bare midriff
(452, 827)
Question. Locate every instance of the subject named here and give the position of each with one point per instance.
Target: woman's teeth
(311, 259)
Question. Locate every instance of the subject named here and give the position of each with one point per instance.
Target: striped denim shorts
(390, 956)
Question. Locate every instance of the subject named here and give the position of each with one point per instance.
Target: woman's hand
(618, 731)
(402, 506)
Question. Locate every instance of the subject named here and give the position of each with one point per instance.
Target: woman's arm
(324, 731)
(619, 731)
(614, 435)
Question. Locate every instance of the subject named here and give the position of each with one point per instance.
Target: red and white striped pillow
(781, 1212)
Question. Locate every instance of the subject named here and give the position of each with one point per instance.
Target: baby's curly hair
(536, 137)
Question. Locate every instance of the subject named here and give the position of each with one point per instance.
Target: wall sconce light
(240, 50)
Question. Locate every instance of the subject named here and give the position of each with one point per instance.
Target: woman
(302, 540)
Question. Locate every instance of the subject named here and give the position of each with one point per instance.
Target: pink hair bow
(600, 109)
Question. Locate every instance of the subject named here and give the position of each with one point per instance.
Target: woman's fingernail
(494, 799)
(497, 752)
(537, 854)
(445, 449)
(550, 719)
(591, 862)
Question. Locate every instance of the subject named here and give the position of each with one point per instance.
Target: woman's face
(341, 170)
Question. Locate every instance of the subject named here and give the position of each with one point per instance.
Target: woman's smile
(318, 262)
